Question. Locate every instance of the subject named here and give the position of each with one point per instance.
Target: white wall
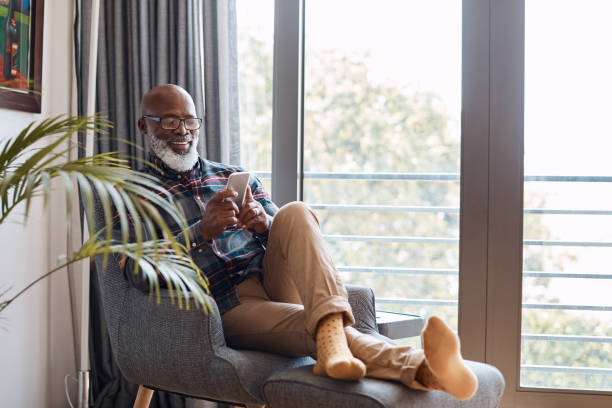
(36, 347)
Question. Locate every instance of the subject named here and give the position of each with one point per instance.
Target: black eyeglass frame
(159, 120)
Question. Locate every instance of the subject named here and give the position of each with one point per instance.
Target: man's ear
(142, 126)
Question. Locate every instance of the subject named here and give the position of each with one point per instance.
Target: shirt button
(200, 250)
(193, 244)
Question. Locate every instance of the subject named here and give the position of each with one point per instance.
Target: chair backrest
(111, 280)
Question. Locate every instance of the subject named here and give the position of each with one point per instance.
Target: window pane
(381, 145)
(255, 31)
(567, 280)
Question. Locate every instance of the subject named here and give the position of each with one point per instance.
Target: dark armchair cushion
(298, 388)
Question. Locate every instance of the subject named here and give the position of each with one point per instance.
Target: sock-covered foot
(334, 358)
(444, 361)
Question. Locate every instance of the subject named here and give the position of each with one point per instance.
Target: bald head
(164, 97)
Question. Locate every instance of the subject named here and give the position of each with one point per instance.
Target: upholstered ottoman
(299, 388)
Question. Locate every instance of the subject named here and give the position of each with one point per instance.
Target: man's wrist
(261, 231)
(205, 237)
(265, 226)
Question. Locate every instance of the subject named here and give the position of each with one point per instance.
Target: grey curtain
(221, 79)
(141, 44)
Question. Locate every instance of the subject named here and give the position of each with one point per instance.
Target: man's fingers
(218, 200)
(226, 205)
(227, 214)
(252, 215)
(222, 223)
(223, 194)
(248, 196)
(233, 207)
(227, 221)
(251, 223)
(246, 212)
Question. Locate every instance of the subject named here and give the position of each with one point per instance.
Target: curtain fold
(221, 79)
(141, 44)
(227, 83)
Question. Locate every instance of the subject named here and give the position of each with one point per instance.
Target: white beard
(180, 162)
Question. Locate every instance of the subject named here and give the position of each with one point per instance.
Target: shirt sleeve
(197, 244)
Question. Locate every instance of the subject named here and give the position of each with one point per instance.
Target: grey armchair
(184, 351)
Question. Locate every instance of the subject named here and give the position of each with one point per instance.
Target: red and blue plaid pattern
(227, 259)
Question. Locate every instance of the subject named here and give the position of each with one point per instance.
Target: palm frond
(155, 259)
(135, 202)
(16, 168)
(178, 271)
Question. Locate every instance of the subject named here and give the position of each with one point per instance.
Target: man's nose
(181, 130)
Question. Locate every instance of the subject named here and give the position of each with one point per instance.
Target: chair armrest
(184, 351)
(361, 299)
(160, 343)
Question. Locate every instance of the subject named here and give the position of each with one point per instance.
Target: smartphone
(239, 182)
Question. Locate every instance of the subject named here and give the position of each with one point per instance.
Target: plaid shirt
(230, 257)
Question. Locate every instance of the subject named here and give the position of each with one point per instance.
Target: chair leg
(143, 398)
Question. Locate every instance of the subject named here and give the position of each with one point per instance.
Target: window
(255, 32)
(566, 312)
(382, 114)
(516, 196)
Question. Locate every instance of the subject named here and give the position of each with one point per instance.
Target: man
(269, 271)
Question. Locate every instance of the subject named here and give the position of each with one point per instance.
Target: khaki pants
(300, 286)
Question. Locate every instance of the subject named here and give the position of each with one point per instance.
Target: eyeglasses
(171, 123)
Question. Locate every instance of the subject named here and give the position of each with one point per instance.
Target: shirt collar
(163, 170)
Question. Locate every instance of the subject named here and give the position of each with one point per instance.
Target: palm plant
(131, 200)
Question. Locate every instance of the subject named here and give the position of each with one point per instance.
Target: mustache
(179, 139)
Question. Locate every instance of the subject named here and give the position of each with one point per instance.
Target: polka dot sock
(334, 358)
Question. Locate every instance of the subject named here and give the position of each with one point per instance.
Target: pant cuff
(332, 304)
(415, 385)
(410, 369)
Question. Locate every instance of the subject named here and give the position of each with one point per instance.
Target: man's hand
(217, 214)
(252, 215)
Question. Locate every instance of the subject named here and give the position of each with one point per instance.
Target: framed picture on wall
(21, 34)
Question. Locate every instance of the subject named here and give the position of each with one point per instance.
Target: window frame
(491, 203)
(287, 101)
(505, 225)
